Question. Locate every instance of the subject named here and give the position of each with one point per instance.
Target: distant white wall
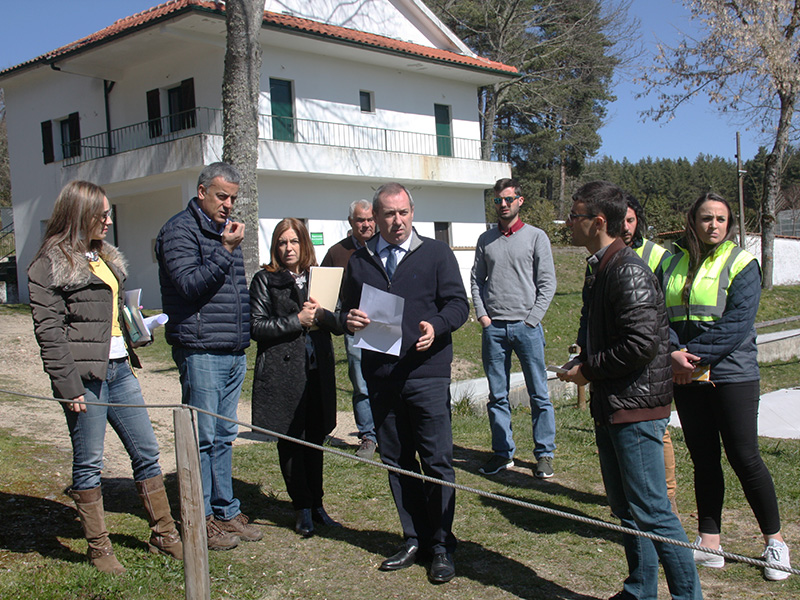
(787, 259)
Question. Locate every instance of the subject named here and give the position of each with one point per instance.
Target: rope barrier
(484, 494)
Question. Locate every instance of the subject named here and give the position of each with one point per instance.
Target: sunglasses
(575, 217)
(506, 199)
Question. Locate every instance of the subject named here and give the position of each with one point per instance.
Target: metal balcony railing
(208, 121)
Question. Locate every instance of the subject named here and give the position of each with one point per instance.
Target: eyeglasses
(106, 214)
(575, 217)
(506, 199)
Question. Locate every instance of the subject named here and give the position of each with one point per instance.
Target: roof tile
(276, 20)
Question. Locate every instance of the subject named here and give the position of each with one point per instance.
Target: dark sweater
(429, 280)
(340, 253)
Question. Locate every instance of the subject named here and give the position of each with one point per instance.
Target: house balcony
(287, 145)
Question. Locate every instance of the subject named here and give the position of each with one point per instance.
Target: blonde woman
(76, 291)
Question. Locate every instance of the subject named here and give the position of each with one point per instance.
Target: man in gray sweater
(513, 281)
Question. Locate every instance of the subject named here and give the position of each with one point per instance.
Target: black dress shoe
(442, 568)
(303, 524)
(319, 515)
(405, 557)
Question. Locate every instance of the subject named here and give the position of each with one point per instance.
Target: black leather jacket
(624, 337)
(281, 369)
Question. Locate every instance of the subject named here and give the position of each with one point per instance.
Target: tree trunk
(562, 192)
(241, 87)
(772, 188)
(489, 115)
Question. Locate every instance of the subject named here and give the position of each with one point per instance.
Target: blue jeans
(361, 407)
(212, 381)
(632, 464)
(87, 430)
(498, 341)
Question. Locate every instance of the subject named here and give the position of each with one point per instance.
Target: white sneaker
(706, 559)
(778, 553)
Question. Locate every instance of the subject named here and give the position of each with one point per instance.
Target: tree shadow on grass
(32, 524)
(476, 562)
(521, 476)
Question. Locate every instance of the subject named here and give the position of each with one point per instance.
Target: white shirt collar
(382, 243)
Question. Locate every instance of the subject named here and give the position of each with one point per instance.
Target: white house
(352, 95)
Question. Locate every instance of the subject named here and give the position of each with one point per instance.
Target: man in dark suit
(410, 393)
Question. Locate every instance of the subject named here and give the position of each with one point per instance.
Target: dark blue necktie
(391, 260)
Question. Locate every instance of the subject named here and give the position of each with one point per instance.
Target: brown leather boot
(90, 510)
(165, 538)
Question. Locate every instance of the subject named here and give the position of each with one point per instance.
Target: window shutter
(47, 142)
(154, 112)
(74, 134)
(187, 103)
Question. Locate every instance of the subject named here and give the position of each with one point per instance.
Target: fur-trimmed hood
(65, 274)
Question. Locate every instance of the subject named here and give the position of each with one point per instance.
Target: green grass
(505, 551)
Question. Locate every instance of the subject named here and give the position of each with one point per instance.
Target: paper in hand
(384, 333)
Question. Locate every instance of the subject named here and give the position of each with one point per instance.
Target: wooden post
(582, 397)
(574, 351)
(193, 518)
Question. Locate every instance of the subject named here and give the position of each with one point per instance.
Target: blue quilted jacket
(203, 286)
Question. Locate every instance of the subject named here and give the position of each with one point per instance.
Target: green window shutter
(280, 92)
(444, 133)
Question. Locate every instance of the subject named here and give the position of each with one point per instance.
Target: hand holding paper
(379, 327)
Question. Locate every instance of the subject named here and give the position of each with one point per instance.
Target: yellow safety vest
(709, 292)
(651, 253)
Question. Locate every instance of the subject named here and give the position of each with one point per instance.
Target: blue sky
(33, 27)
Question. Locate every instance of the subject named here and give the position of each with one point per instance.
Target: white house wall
(35, 185)
(139, 219)
(327, 89)
(324, 204)
(380, 17)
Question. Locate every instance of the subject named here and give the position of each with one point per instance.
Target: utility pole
(740, 175)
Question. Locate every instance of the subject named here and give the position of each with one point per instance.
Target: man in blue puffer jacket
(204, 293)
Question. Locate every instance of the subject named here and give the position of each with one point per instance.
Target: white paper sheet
(154, 321)
(384, 333)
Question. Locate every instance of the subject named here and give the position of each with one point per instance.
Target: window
(282, 102)
(48, 152)
(180, 102)
(441, 231)
(70, 131)
(367, 100)
(180, 109)
(444, 140)
(154, 112)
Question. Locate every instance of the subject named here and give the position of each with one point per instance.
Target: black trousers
(301, 466)
(728, 411)
(413, 426)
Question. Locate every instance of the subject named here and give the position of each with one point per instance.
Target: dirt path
(21, 371)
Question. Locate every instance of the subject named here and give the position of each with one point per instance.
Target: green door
(444, 133)
(280, 92)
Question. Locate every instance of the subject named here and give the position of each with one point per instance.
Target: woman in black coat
(294, 387)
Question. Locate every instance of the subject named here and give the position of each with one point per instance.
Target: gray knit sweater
(513, 278)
